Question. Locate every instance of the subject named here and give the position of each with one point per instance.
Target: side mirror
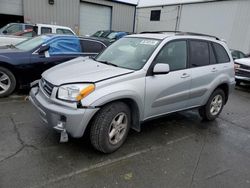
(161, 68)
(43, 49)
(5, 32)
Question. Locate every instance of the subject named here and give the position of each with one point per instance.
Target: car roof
(160, 35)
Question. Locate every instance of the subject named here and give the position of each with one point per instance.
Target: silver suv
(137, 78)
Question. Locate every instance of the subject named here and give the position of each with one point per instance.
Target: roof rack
(182, 33)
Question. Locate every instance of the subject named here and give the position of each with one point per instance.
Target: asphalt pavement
(179, 150)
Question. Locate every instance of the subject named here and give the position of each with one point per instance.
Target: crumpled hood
(82, 69)
(243, 61)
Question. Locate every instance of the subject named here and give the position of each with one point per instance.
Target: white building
(227, 19)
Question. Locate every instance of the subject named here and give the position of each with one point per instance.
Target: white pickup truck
(8, 37)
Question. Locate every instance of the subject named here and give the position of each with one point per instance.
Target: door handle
(214, 70)
(185, 75)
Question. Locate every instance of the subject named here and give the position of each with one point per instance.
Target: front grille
(245, 67)
(47, 87)
(242, 73)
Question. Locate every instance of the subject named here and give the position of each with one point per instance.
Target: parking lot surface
(179, 150)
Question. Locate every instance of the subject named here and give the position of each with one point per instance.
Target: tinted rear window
(91, 46)
(221, 54)
(199, 53)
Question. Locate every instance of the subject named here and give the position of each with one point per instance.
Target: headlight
(75, 92)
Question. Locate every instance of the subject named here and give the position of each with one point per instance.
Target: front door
(168, 92)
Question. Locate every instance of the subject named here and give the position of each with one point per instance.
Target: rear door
(204, 70)
(168, 92)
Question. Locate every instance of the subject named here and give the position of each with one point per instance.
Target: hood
(243, 61)
(4, 50)
(82, 70)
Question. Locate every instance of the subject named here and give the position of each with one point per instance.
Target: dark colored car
(110, 35)
(236, 54)
(26, 61)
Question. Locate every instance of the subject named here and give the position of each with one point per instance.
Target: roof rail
(182, 33)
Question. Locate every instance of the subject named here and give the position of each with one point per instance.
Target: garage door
(93, 18)
(11, 7)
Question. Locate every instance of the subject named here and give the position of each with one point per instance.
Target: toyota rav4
(137, 78)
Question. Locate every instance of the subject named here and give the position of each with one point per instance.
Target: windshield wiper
(11, 46)
(107, 63)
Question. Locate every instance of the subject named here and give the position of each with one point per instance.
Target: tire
(106, 122)
(206, 111)
(7, 82)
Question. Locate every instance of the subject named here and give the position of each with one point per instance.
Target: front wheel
(211, 110)
(7, 82)
(110, 127)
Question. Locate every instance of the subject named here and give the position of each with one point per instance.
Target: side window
(91, 46)
(64, 31)
(28, 26)
(14, 28)
(64, 46)
(199, 53)
(221, 54)
(174, 54)
(212, 57)
(45, 30)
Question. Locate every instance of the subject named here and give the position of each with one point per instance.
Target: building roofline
(121, 2)
(181, 3)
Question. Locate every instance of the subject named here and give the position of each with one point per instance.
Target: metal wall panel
(167, 20)
(67, 13)
(226, 19)
(122, 14)
(12, 7)
(63, 12)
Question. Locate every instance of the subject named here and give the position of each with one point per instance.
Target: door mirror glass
(43, 49)
(5, 32)
(161, 68)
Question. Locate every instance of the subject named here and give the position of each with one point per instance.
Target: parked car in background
(25, 62)
(110, 35)
(11, 40)
(37, 29)
(242, 70)
(135, 79)
(12, 28)
(236, 54)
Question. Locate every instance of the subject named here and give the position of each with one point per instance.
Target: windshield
(32, 43)
(130, 53)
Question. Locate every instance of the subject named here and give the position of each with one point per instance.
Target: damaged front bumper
(63, 119)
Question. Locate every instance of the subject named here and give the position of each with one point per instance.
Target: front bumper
(59, 117)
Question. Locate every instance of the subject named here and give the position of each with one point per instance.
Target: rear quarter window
(221, 53)
(91, 46)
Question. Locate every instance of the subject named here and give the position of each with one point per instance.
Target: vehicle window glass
(174, 54)
(27, 34)
(14, 28)
(64, 31)
(221, 54)
(241, 55)
(91, 46)
(28, 26)
(45, 30)
(199, 53)
(130, 53)
(235, 54)
(101, 34)
(212, 57)
(64, 46)
(32, 43)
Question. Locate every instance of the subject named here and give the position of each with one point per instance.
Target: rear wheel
(214, 105)
(110, 127)
(7, 82)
